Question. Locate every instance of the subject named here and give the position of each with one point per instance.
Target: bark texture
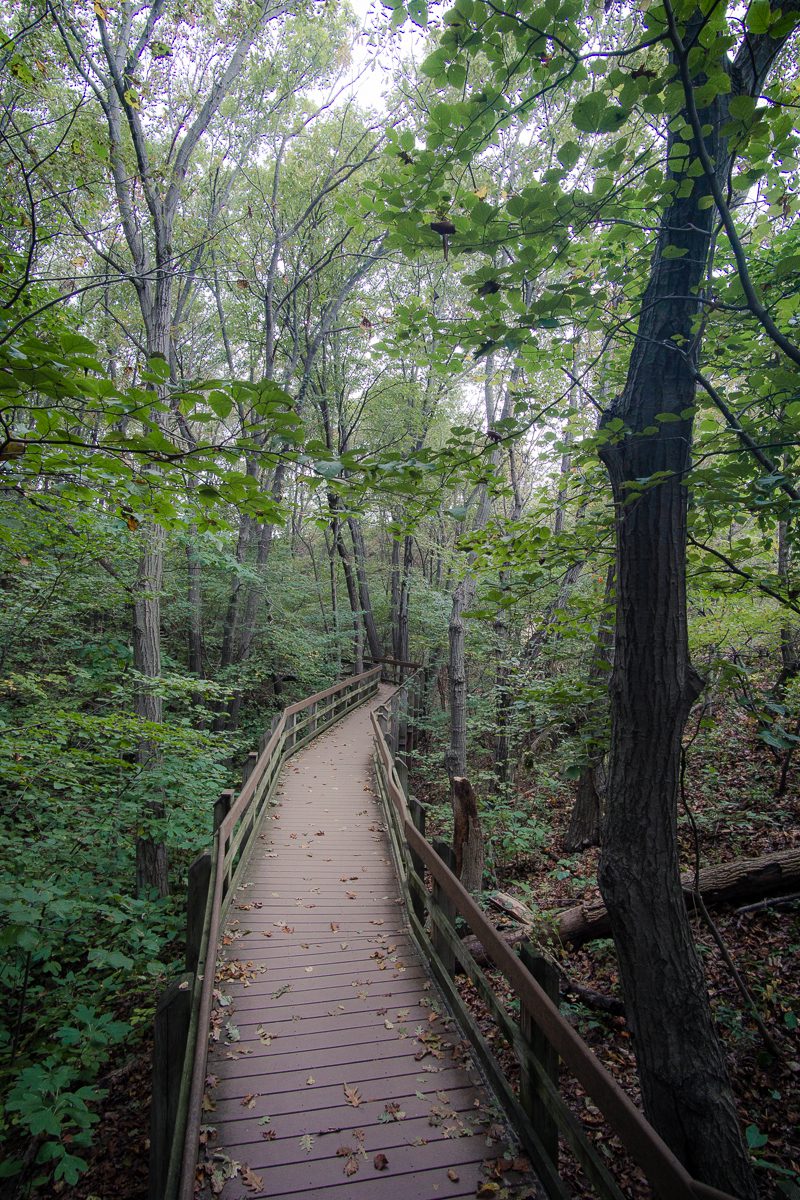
(467, 835)
(151, 852)
(683, 1074)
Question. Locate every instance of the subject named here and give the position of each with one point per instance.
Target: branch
(760, 63)
(762, 587)
(743, 436)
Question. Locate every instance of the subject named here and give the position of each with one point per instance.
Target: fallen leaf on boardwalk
(269, 1135)
(380, 1162)
(232, 1031)
(281, 991)
(264, 1120)
(263, 1036)
(351, 895)
(391, 1112)
(266, 933)
(249, 1101)
(344, 945)
(308, 970)
(351, 1166)
(208, 1104)
(452, 1175)
(306, 1143)
(488, 1190)
(352, 1095)
(251, 1180)
(334, 927)
(310, 1081)
(388, 1024)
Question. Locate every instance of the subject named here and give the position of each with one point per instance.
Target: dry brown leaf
(352, 1095)
(380, 1162)
(249, 1101)
(452, 1175)
(250, 1179)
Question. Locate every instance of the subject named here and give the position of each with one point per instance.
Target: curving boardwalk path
(334, 1074)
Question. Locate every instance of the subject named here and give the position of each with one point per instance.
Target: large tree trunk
(151, 853)
(682, 1070)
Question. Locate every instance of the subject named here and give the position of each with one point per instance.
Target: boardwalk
(335, 1074)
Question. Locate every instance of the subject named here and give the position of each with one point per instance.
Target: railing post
(417, 811)
(395, 724)
(442, 902)
(248, 766)
(171, 1029)
(196, 899)
(222, 807)
(535, 1045)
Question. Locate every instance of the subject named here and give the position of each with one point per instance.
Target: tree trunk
(456, 757)
(467, 835)
(195, 604)
(360, 560)
(789, 656)
(403, 642)
(682, 1070)
(151, 852)
(584, 822)
(395, 597)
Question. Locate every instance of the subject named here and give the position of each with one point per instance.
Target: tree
(704, 74)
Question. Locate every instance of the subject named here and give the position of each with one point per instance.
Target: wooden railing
(540, 1036)
(184, 1010)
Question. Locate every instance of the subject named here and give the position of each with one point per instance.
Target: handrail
(663, 1170)
(234, 835)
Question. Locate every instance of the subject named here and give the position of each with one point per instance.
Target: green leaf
(593, 114)
(755, 1138)
(759, 16)
(568, 154)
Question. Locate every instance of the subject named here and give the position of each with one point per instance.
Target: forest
(466, 337)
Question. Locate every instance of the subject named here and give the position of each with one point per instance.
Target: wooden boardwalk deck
(335, 1074)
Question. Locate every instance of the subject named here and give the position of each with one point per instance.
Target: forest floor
(730, 784)
(729, 788)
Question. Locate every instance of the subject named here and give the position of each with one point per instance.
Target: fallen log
(742, 879)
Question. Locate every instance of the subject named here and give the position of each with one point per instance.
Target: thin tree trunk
(456, 757)
(151, 852)
(360, 562)
(394, 596)
(403, 643)
(195, 604)
(584, 822)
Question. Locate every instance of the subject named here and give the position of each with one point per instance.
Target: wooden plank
(328, 1015)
